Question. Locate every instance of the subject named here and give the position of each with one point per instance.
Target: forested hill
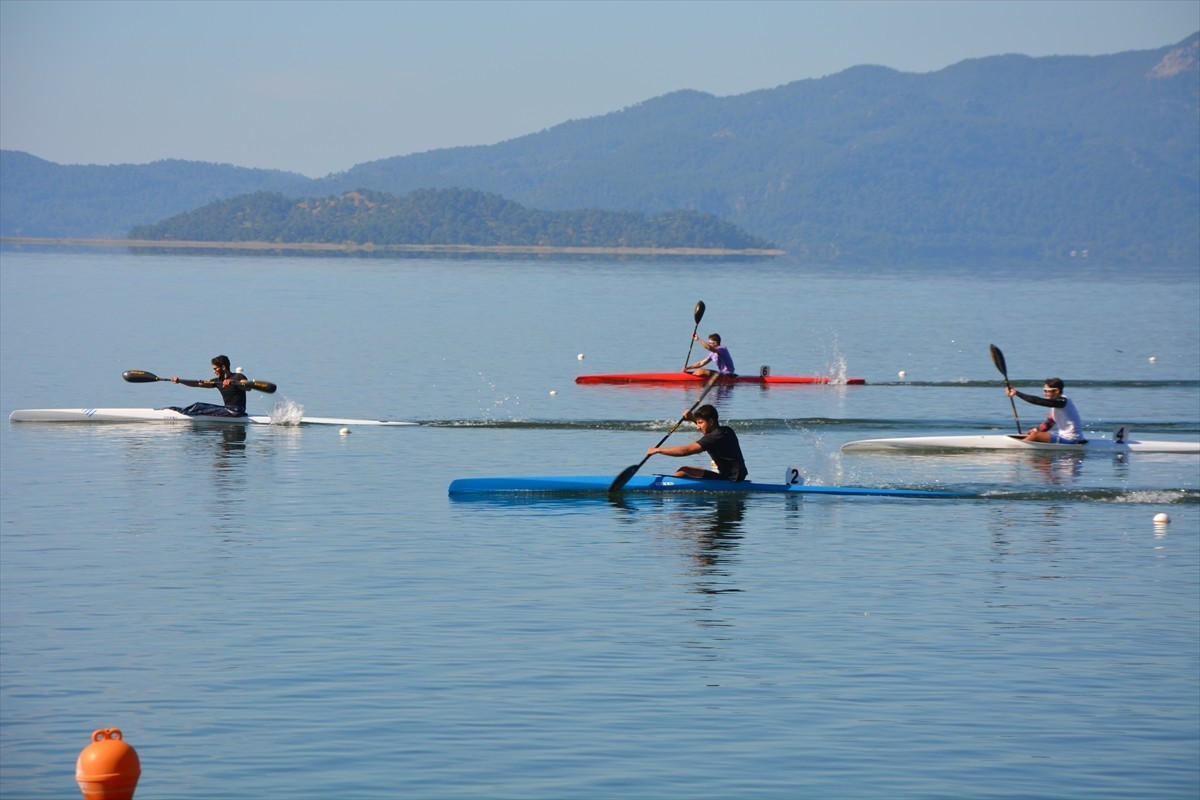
(440, 217)
(1002, 159)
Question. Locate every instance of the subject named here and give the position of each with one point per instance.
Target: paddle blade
(998, 360)
(140, 376)
(264, 386)
(699, 311)
(619, 482)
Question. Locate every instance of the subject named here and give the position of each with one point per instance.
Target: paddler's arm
(677, 451)
(1056, 402)
(195, 384)
(698, 364)
(1048, 422)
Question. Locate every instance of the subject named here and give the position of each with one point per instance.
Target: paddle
(628, 472)
(141, 376)
(699, 314)
(998, 360)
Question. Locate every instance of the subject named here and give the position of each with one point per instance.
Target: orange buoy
(108, 768)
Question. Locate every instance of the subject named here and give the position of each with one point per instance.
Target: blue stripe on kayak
(665, 483)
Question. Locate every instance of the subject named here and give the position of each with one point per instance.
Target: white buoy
(580, 356)
(1161, 519)
(1153, 359)
(238, 370)
(553, 392)
(902, 373)
(344, 431)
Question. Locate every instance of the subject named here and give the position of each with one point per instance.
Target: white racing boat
(169, 415)
(1119, 443)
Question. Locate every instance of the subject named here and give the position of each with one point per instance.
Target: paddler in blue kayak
(719, 441)
(718, 355)
(1064, 425)
(232, 385)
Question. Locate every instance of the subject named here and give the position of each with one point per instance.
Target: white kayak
(1119, 443)
(169, 415)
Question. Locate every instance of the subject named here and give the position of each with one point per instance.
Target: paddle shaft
(998, 360)
(630, 471)
(698, 314)
(141, 376)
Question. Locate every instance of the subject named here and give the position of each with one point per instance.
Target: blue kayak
(578, 484)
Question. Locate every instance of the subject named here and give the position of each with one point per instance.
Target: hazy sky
(317, 87)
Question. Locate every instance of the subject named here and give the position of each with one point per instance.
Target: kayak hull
(168, 415)
(916, 444)
(593, 484)
(689, 378)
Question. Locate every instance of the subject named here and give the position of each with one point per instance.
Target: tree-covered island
(442, 217)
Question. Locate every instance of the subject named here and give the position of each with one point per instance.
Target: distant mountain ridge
(41, 198)
(1007, 158)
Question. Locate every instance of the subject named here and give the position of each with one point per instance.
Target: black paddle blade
(140, 376)
(619, 482)
(264, 386)
(699, 311)
(998, 360)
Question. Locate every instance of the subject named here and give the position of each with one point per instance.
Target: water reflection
(225, 445)
(1057, 469)
(718, 533)
(709, 531)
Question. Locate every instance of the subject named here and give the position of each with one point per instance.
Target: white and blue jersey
(1064, 418)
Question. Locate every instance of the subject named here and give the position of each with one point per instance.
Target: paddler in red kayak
(718, 355)
(232, 385)
(719, 441)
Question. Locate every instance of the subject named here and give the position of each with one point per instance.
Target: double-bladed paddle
(630, 471)
(141, 376)
(998, 360)
(698, 315)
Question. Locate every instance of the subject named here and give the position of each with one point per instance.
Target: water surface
(289, 611)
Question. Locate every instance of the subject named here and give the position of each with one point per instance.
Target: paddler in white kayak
(718, 356)
(1064, 425)
(232, 385)
(719, 441)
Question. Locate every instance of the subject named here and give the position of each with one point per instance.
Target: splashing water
(835, 367)
(287, 412)
(836, 370)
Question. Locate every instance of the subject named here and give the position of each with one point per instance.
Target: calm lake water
(290, 612)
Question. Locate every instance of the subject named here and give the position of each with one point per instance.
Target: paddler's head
(221, 365)
(714, 338)
(1053, 386)
(705, 418)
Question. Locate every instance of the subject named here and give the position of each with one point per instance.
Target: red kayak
(686, 377)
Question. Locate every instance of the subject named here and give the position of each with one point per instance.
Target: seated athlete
(719, 441)
(718, 356)
(1064, 425)
(232, 386)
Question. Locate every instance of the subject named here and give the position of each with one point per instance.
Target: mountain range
(998, 159)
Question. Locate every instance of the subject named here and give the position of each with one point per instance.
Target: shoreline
(352, 247)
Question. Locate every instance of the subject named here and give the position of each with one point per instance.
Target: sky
(318, 87)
